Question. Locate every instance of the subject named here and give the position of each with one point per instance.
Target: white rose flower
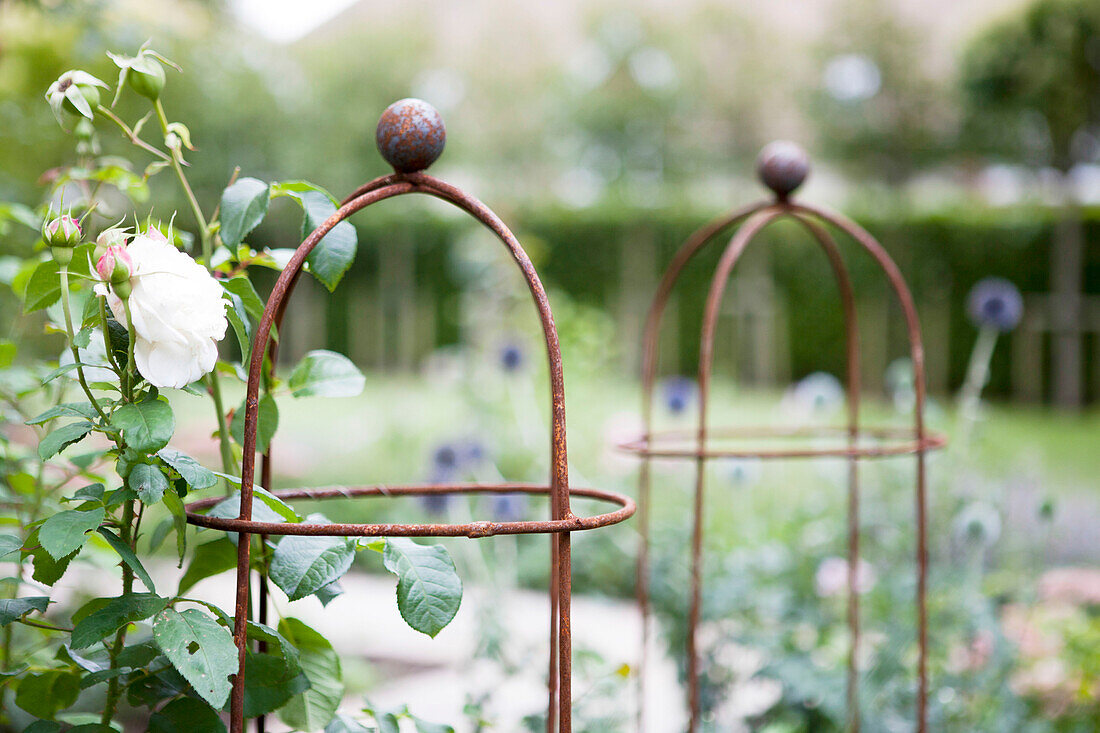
(178, 310)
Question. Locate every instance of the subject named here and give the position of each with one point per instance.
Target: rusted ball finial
(782, 166)
(410, 135)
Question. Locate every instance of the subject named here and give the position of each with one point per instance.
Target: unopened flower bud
(142, 73)
(76, 92)
(146, 79)
(108, 238)
(62, 232)
(115, 266)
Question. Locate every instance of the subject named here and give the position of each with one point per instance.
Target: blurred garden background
(964, 134)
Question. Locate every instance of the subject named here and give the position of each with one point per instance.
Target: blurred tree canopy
(878, 110)
(1032, 84)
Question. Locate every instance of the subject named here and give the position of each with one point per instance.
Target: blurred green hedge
(581, 253)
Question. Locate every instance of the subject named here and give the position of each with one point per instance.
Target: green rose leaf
(128, 557)
(147, 426)
(200, 649)
(265, 427)
(197, 476)
(43, 287)
(149, 482)
(269, 684)
(186, 715)
(44, 694)
(16, 608)
(68, 409)
(9, 543)
(115, 614)
(66, 532)
(314, 708)
(242, 326)
(179, 520)
(62, 438)
(303, 565)
(242, 287)
(429, 590)
(346, 724)
(326, 374)
(243, 207)
(46, 570)
(43, 726)
(208, 560)
(333, 255)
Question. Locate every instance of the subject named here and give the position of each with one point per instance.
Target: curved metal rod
(733, 252)
(916, 352)
(695, 243)
(476, 529)
(266, 458)
(378, 190)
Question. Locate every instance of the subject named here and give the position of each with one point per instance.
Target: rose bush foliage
(142, 308)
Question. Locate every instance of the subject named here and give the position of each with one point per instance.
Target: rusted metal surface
(411, 135)
(782, 167)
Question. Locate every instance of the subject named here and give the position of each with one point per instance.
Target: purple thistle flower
(508, 507)
(511, 358)
(678, 393)
(996, 303)
(435, 504)
(445, 458)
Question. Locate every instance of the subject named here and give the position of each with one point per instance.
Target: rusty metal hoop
(411, 136)
(782, 167)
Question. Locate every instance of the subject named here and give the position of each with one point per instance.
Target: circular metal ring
(867, 442)
(570, 523)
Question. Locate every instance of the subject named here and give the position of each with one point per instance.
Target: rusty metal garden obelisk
(410, 137)
(782, 167)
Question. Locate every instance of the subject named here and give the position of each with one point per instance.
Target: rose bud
(115, 267)
(108, 238)
(142, 73)
(76, 92)
(62, 234)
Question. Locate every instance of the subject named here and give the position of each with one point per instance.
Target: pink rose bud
(115, 265)
(64, 231)
(108, 238)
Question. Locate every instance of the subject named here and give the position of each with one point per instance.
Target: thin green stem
(113, 691)
(131, 135)
(229, 463)
(177, 165)
(72, 343)
(43, 625)
(107, 336)
(131, 368)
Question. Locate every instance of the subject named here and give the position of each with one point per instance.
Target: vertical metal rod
(853, 372)
(382, 188)
(916, 350)
(552, 710)
(733, 251)
(650, 355)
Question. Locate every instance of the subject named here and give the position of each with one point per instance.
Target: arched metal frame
(751, 220)
(561, 523)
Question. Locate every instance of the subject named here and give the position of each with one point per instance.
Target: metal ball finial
(782, 167)
(410, 135)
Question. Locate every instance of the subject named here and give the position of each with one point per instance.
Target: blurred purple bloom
(678, 393)
(445, 458)
(511, 358)
(996, 303)
(470, 452)
(435, 504)
(508, 507)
